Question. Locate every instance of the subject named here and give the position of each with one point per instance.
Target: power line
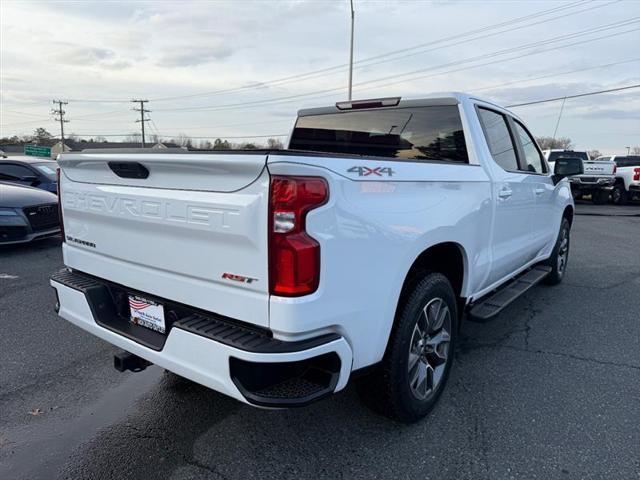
(392, 53)
(143, 119)
(598, 92)
(190, 136)
(360, 63)
(555, 74)
(457, 62)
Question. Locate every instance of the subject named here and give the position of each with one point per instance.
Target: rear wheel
(560, 255)
(619, 195)
(416, 365)
(600, 197)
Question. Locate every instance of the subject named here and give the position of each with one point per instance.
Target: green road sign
(37, 151)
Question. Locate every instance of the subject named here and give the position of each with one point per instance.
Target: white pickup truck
(597, 180)
(627, 173)
(276, 276)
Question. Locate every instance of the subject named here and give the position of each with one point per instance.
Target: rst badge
(238, 278)
(377, 171)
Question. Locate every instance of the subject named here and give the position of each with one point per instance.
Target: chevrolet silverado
(275, 277)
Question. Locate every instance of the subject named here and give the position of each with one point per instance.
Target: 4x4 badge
(366, 171)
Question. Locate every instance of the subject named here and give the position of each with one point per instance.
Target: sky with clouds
(243, 68)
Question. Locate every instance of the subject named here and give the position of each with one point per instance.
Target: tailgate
(183, 226)
(598, 167)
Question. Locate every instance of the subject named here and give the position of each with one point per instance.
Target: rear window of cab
(416, 133)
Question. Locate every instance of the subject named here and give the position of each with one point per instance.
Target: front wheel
(416, 365)
(560, 255)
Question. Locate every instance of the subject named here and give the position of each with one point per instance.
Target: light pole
(351, 52)
(628, 150)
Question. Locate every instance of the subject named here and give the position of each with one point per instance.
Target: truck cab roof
(429, 100)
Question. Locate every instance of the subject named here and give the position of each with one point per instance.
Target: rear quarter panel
(371, 231)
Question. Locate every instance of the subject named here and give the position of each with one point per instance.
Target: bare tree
(219, 144)
(184, 140)
(42, 137)
(275, 144)
(563, 143)
(593, 154)
(133, 138)
(635, 150)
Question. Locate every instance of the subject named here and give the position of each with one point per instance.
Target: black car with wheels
(30, 172)
(26, 214)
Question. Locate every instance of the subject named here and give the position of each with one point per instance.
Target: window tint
(630, 161)
(421, 133)
(499, 139)
(532, 157)
(48, 169)
(15, 170)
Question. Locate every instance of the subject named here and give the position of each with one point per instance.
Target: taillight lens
(59, 188)
(615, 168)
(294, 256)
(636, 174)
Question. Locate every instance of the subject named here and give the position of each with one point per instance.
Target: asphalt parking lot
(550, 389)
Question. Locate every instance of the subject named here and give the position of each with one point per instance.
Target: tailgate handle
(129, 169)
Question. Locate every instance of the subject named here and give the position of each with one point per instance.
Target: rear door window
(499, 139)
(416, 133)
(533, 161)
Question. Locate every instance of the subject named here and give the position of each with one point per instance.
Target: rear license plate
(147, 313)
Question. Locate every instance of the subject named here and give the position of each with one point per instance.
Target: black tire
(387, 389)
(559, 266)
(600, 197)
(619, 195)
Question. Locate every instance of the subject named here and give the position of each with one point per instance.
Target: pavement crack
(494, 345)
(194, 463)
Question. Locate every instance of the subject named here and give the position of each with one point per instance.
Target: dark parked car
(30, 171)
(26, 214)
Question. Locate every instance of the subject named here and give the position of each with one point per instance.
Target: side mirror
(567, 167)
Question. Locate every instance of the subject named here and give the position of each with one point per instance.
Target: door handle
(539, 191)
(505, 193)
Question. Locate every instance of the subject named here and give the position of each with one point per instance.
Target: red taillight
(615, 168)
(59, 188)
(636, 174)
(294, 256)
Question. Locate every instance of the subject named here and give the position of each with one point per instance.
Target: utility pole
(351, 52)
(60, 118)
(142, 111)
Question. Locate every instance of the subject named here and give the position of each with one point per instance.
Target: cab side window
(499, 139)
(17, 171)
(532, 161)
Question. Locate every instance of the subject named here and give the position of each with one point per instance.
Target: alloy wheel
(563, 251)
(429, 348)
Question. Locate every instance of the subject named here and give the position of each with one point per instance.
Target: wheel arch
(447, 258)
(568, 214)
